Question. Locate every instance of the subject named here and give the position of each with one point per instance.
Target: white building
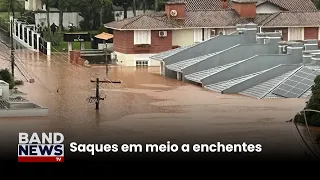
(41, 17)
(33, 5)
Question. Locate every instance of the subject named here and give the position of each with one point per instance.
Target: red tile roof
(290, 5)
(293, 5)
(287, 19)
(209, 13)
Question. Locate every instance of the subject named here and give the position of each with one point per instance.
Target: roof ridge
(166, 22)
(135, 19)
(268, 20)
(213, 10)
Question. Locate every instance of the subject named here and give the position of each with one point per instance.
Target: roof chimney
(224, 4)
(175, 10)
(245, 8)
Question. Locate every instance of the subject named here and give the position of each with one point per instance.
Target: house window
(212, 33)
(197, 35)
(295, 33)
(142, 37)
(142, 63)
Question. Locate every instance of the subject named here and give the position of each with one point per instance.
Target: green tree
(48, 3)
(6, 76)
(317, 3)
(134, 7)
(156, 3)
(313, 118)
(12, 6)
(124, 4)
(105, 4)
(62, 5)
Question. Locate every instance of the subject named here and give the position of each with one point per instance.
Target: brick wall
(311, 33)
(179, 7)
(75, 57)
(247, 10)
(123, 42)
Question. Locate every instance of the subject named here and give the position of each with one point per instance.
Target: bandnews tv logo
(41, 147)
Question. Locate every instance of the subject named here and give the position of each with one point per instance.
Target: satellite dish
(173, 13)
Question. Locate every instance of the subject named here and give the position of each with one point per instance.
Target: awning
(104, 36)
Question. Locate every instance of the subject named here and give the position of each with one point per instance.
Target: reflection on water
(65, 88)
(145, 106)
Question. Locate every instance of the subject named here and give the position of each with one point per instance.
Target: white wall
(68, 17)
(33, 5)
(182, 37)
(4, 87)
(267, 8)
(130, 59)
(129, 14)
(24, 112)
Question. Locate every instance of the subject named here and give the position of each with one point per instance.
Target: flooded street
(145, 107)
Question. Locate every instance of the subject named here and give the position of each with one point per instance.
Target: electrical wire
(109, 94)
(81, 68)
(302, 138)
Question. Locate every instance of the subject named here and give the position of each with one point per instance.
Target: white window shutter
(148, 37)
(296, 33)
(207, 34)
(142, 37)
(197, 35)
(136, 37)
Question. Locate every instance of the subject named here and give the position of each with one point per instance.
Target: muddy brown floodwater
(146, 107)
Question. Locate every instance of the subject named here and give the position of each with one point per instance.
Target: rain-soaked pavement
(146, 107)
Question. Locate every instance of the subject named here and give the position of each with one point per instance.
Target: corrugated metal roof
(198, 76)
(3, 105)
(186, 63)
(163, 55)
(272, 96)
(17, 99)
(221, 86)
(260, 90)
(307, 94)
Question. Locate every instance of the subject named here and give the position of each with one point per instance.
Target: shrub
(6, 76)
(313, 118)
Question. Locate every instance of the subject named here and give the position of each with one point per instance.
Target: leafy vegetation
(6, 76)
(313, 118)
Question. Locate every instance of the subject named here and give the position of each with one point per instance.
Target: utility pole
(97, 97)
(12, 48)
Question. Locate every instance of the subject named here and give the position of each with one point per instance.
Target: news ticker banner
(50, 147)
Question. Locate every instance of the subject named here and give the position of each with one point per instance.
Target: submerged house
(186, 22)
(258, 65)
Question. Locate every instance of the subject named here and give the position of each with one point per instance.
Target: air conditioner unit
(173, 13)
(163, 33)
